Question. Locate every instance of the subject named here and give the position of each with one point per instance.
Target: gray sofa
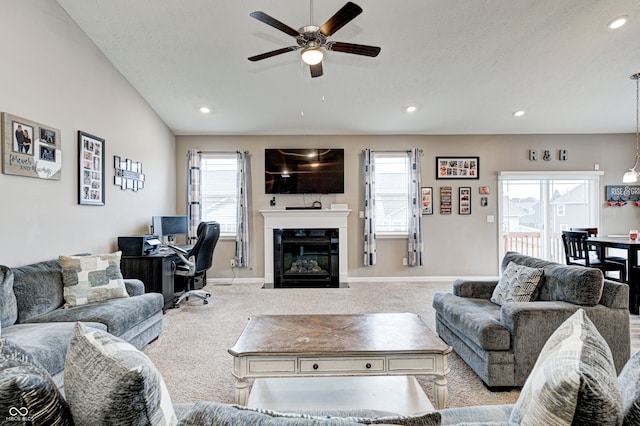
(501, 343)
(32, 314)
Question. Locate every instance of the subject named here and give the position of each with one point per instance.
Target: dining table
(633, 270)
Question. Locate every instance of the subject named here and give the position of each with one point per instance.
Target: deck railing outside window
(530, 244)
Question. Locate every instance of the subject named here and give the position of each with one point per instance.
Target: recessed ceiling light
(617, 22)
(411, 108)
(205, 110)
(518, 113)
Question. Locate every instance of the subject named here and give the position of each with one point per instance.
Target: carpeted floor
(192, 356)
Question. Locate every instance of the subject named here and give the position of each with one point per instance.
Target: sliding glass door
(534, 209)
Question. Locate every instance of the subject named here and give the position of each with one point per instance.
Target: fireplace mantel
(304, 219)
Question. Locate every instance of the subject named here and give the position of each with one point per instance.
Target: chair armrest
(615, 295)
(134, 286)
(177, 249)
(478, 288)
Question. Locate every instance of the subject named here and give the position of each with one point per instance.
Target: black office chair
(195, 262)
(576, 251)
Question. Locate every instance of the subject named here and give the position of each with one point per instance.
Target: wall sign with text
(620, 195)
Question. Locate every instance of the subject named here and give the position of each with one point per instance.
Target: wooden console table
(388, 344)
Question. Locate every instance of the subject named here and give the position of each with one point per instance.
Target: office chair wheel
(205, 302)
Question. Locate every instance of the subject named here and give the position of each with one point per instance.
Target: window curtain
(242, 215)
(194, 159)
(416, 248)
(369, 209)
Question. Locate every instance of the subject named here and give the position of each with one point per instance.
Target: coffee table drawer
(271, 365)
(327, 365)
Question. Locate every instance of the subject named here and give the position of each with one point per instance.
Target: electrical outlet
(404, 261)
(232, 263)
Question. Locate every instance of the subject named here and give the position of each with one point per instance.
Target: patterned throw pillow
(517, 284)
(28, 395)
(109, 381)
(234, 415)
(92, 278)
(573, 381)
(8, 303)
(628, 382)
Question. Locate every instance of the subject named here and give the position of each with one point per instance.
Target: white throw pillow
(517, 284)
(573, 381)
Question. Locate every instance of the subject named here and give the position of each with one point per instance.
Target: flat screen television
(304, 171)
(170, 226)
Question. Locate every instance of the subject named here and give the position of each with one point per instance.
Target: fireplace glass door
(306, 258)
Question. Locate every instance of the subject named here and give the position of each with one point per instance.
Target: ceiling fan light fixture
(312, 55)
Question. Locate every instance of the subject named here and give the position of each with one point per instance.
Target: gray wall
(455, 245)
(52, 74)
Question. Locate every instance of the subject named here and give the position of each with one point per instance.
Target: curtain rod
(221, 152)
(393, 150)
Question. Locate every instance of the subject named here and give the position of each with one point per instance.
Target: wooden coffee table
(316, 346)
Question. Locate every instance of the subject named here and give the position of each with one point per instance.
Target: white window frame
(399, 224)
(592, 176)
(218, 187)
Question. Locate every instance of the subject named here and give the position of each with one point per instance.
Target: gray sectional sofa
(32, 314)
(501, 343)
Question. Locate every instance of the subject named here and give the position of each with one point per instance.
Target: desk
(633, 273)
(155, 271)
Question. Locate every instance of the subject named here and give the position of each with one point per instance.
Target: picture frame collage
(91, 185)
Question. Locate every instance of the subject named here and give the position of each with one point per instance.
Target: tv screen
(170, 225)
(304, 171)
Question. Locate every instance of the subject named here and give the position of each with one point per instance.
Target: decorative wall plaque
(128, 174)
(30, 149)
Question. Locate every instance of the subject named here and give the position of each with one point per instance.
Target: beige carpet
(192, 356)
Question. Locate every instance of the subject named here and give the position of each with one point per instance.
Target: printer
(138, 245)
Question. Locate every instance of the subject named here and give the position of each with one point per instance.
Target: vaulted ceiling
(466, 65)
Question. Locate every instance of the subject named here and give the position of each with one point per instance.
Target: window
(391, 192)
(219, 191)
(535, 207)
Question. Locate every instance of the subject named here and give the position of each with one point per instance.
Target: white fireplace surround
(305, 219)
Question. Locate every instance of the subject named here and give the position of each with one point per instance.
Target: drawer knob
(315, 366)
(368, 365)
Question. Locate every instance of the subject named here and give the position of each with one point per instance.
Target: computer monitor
(168, 227)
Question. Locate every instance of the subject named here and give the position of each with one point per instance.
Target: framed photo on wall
(427, 200)
(30, 148)
(457, 167)
(90, 169)
(464, 200)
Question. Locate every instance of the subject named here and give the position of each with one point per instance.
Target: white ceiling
(466, 64)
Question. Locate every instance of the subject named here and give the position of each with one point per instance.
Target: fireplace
(306, 257)
(302, 220)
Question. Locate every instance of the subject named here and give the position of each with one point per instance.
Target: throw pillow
(109, 381)
(628, 381)
(573, 381)
(92, 278)
(8, 303)
(517, 284)
(28, 395)
(236, 415)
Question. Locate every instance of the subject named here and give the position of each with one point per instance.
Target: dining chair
(593, 232)
(576, 249)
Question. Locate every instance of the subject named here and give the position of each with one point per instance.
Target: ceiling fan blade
(273, 53)
(263, 17)
(341, 18)
(316, 70)
(356, 49)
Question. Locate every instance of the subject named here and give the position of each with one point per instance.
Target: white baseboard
(229, 281)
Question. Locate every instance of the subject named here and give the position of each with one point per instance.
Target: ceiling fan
(313, 39)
